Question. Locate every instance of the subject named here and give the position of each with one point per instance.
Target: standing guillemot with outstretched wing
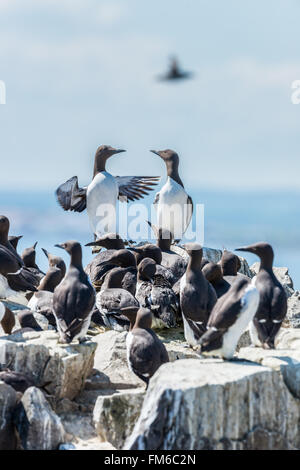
(174, 206)
(100, 196)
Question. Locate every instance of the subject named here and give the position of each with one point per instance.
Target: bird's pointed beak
(156, 152)
(59, 246)
(94, 243)
(118, 151)
(245, 248)
(45, 252)
(34, 246)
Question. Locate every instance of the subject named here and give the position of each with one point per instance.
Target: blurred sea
(232, 219)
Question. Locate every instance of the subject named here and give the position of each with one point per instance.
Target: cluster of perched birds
(141, 287)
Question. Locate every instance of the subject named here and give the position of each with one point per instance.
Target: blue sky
(80, 73)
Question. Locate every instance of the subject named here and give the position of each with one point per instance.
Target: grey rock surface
(62, 369)
(8, 402)
(38, 426)
(115, 415)
(213, 404)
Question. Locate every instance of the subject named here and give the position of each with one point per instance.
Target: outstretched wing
(70, 196)
(132, 188)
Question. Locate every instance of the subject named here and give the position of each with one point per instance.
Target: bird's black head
(167, 155)
(4, 225)
(212, 272)
(263, 250)
(72, 247)
(147, 269)
(110, 241)
(55, 262)
(103, 153)
(230, 263)
(28, 256)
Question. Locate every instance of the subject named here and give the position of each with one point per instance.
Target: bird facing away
(175, 73)
(229, 318)
(15, 278)
(230, 265)
(155, 293)
(174, 206)
(73, 298)
(112, 298)
(213, 273)
(197, 296)
(100, 196)
(272, 307)
(145, 351)
(170, 260)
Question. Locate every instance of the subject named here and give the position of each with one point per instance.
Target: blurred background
(80, 73)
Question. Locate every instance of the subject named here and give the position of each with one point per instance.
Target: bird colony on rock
(140, 288)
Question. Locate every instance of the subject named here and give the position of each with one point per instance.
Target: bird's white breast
(173, 210)
(2, 311)
(250, 301)
(101, 198)
(7, 293)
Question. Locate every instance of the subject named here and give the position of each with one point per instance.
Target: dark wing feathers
(70, 196)
(132, 188)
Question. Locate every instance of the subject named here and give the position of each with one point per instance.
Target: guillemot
(14, 240)
(100, 196)
(28, 257)
(229, 318)
(73, 298)
(145, 351)
(155, 292)
(174, 206)
(42, 300)
(197, 296)
(175, 73)
(213, 273)
(112, 298)
(230, 265)
(272, 307)
(170, 259)
(56, 262)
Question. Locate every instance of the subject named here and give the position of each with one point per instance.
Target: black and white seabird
(7, 319)
(112, 298)
(197, 296)
(42, 300)
(272, 307)
(28, 256)
(56, 262)
(174, 206)
(15, 278)
(14, 240)
(230, 265)
(149, 250)
(175, 73)
(145, 351)
(213, 273)
(170, 260)
(73, 298)
(229, 318)
(115, 255)
(155, 292)
(100, 196)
